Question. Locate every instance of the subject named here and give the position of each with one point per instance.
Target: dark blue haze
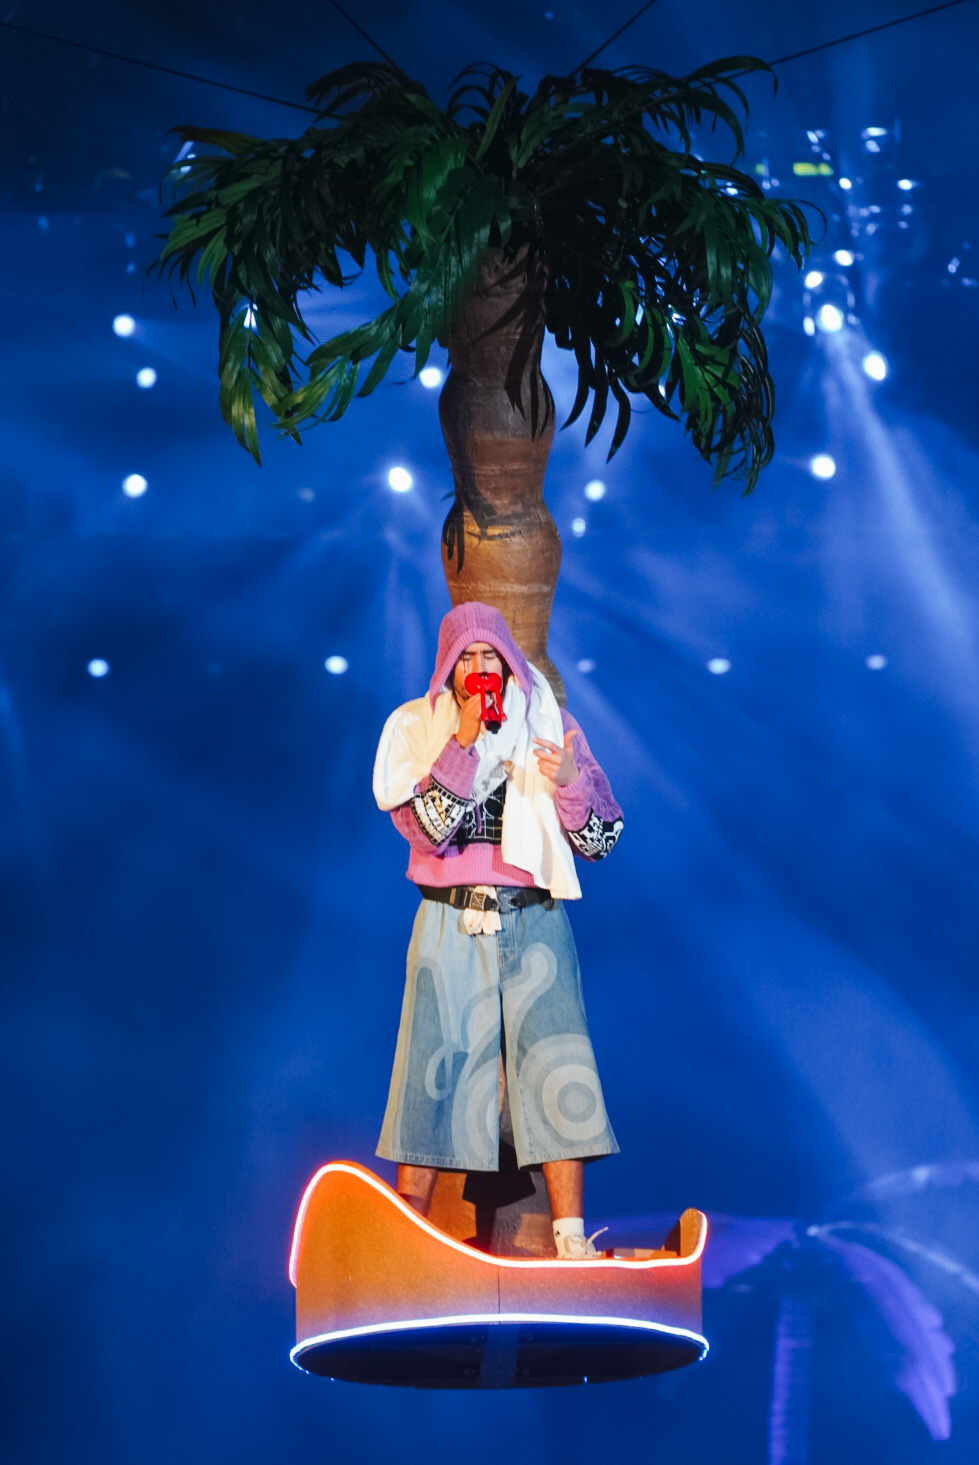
(204, 916)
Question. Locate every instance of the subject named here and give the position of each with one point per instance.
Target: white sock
(569, 1226)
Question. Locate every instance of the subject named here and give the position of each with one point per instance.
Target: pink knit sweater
(480, 863)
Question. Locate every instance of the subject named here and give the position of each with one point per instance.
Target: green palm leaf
(659, 265)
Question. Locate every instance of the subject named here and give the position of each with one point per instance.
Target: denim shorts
(443, 1108)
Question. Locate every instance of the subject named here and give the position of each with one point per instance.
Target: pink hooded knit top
(455, 767)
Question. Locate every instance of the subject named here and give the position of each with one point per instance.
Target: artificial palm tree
(580, 209)
(845, 1263)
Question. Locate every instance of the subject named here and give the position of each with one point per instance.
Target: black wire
(301, 107)
(794, 56)
(153, 66)
(615, 35)
(871, 30)
(226, 86)
(369, 39)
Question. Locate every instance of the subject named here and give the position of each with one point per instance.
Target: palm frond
(659, 264)
(337, 90)
(916, 1180)
(923, 1369)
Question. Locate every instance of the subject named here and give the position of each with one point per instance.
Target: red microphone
(489, 685)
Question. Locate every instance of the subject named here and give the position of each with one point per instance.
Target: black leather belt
(466, 897)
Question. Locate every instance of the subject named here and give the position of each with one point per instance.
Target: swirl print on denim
(463, 995)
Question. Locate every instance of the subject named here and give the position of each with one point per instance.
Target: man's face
(480, 656)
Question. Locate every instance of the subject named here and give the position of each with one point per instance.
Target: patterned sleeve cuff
(596, 837)
(438, 812)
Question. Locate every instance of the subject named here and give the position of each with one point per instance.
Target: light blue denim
(443, 1106)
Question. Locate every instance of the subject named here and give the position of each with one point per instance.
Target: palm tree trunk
(788, 1424)
(499, 542)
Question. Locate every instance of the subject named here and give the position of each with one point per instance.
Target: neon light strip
(494, 1318)
(348, 1168)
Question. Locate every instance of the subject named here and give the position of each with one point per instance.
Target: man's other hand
(556, 763)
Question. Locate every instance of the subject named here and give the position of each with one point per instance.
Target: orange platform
(383, 1296)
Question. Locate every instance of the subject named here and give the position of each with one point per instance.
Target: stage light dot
(846, 184)
(400, 480)
(430, 376)
(134, 486)
(123, 325)
(813, 280)
(843, 257)
(718, 665)
(307, 495)
(595, 490)
(586, 665)
(822, 466)
(97, 667)
(830, 318)
(875, 366)
(146, 378)
(336, 665)
(809, 326)
(905, 184)
(876, 662)
(578, 527)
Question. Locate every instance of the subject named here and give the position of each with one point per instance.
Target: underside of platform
(499, 1354)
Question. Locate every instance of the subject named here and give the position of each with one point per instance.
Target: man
(494, 814)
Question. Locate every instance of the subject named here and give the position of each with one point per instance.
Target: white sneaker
(578, 1248)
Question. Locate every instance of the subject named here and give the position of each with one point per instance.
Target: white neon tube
(471, 1319)
(460, 1246)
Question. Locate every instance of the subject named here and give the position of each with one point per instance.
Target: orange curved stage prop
(384, 1297)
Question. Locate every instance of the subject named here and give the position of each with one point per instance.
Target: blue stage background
(204, 916)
